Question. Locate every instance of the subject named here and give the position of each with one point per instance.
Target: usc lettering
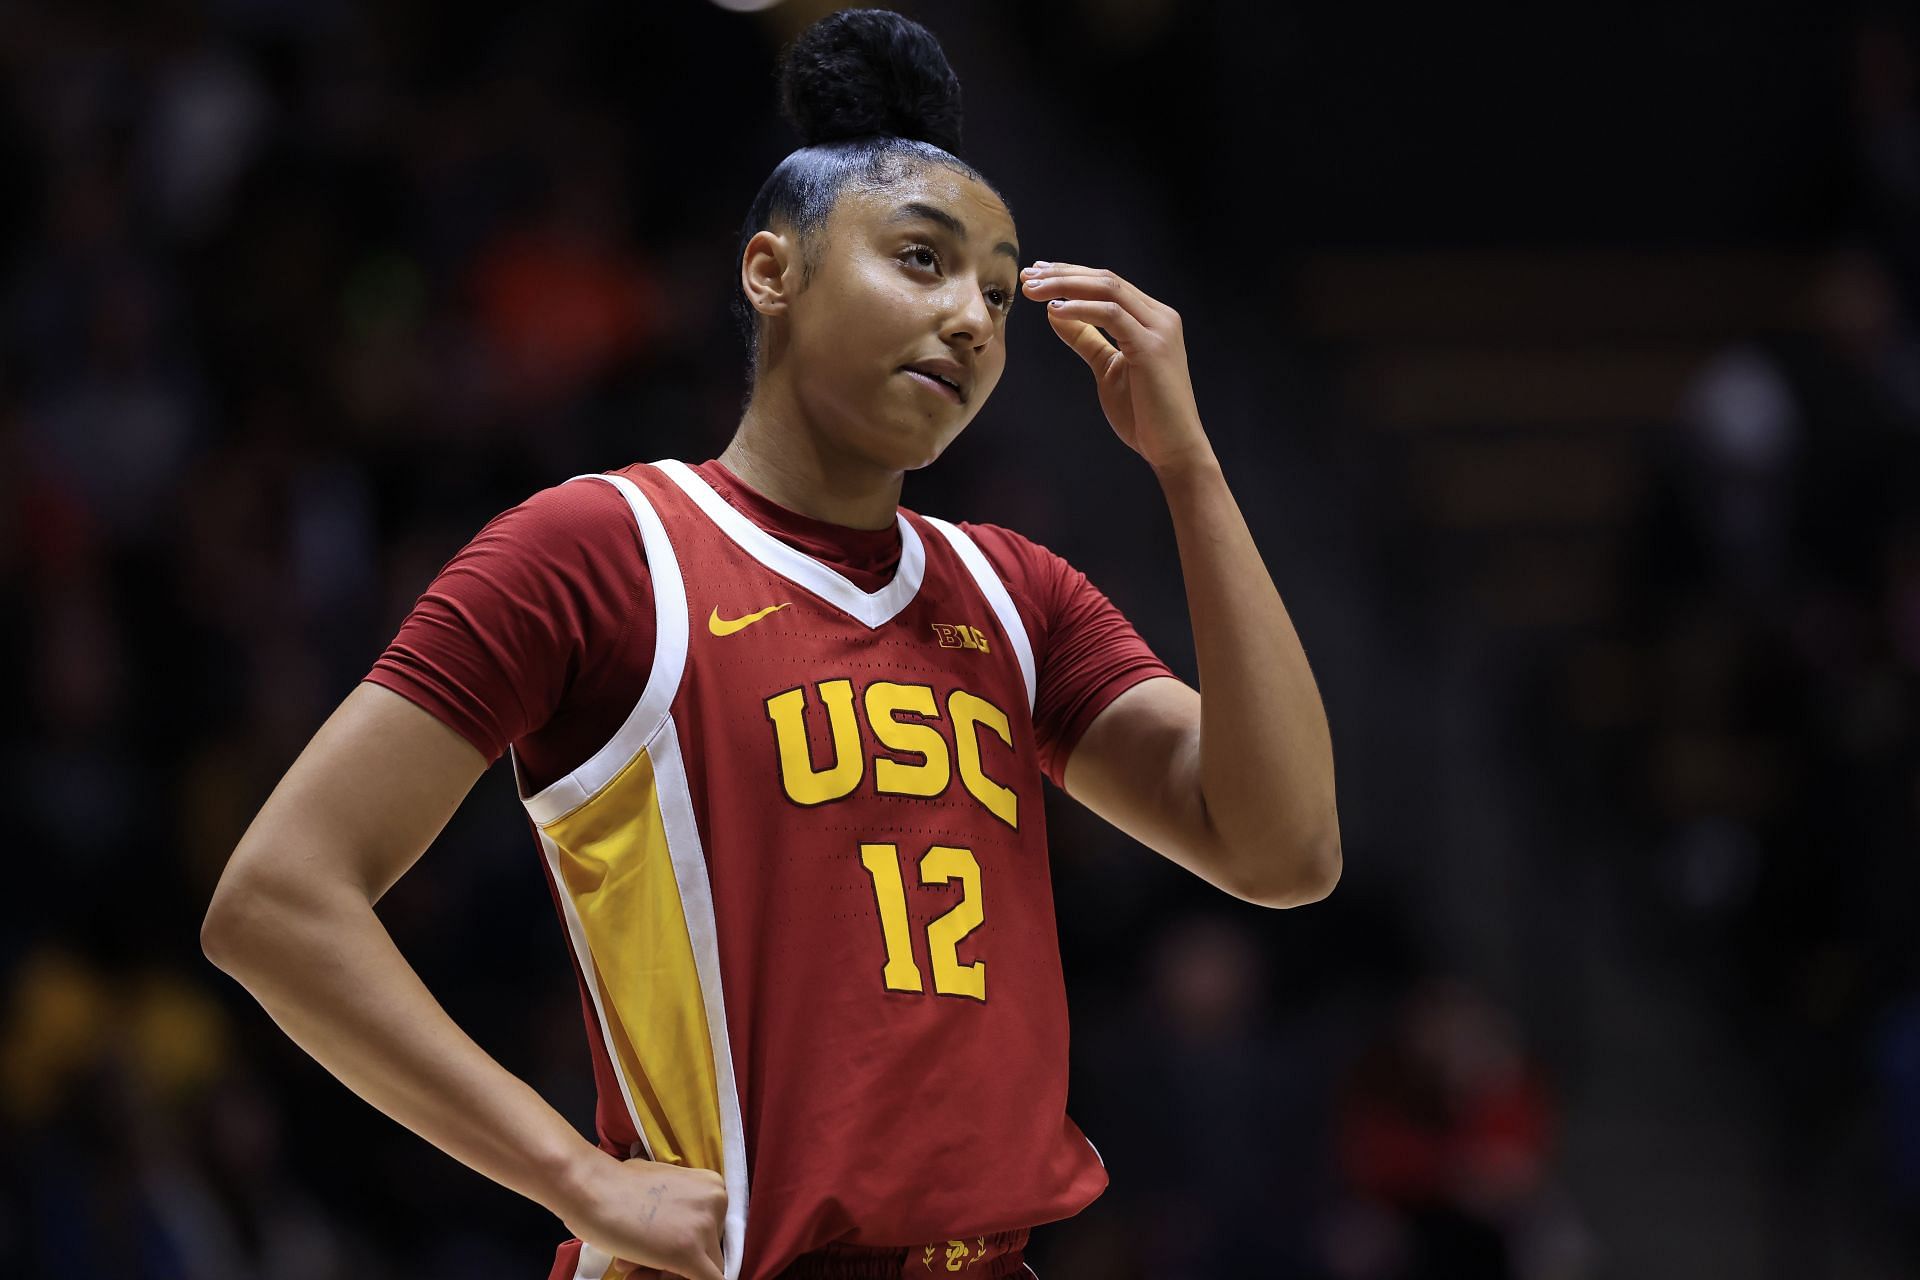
(934, 745)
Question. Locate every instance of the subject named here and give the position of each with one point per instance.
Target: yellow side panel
(616, 867)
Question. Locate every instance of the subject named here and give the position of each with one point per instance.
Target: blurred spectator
(1886, 121)
(1897, 1078)
(1218, 1157)
(562, 300)
(1445, 1134)
(140, 1144)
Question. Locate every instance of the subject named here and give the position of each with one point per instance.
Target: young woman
(782, 741)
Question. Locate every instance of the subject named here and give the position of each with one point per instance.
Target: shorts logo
(960, 636)
(958, 1256)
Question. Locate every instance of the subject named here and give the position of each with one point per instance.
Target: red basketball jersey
(806, 885)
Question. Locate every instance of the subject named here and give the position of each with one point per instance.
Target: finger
(1051, 268)
(1075, 320)
(1094, 284)
(1087, 342)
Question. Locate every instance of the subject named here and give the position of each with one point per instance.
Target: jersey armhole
(568, 793)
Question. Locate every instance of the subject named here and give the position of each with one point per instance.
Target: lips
(942, 377)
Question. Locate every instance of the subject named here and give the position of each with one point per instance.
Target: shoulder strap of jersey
(996, 595)
(663, 681)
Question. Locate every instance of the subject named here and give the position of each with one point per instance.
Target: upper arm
(1084, 648)
(364, 800)
(1138, 766)
(1133, 757)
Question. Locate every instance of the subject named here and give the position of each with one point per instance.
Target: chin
(905, 459)
(912, 445)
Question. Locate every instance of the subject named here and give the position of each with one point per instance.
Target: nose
(969, 319)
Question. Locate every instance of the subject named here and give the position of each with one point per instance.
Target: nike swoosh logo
(727, 626)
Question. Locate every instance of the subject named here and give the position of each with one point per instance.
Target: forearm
(1265, 755)
(325, 969)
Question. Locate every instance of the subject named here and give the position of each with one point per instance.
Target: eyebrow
(914, 209)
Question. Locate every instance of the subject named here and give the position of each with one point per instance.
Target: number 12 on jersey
(941, 864)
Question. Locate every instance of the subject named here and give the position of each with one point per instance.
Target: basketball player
(781, 742)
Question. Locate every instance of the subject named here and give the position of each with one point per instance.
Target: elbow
(269, 909)
(218, 930)
(247, 914)
(1306, 873)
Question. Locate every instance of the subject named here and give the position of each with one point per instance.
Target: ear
(769, 272)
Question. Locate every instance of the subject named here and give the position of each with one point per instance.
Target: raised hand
(1139, 364)
(655, 1219)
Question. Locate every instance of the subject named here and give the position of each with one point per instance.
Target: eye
(924, 255)
(1001, 298)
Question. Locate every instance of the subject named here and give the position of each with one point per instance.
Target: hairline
(812, 242)
(914, 154)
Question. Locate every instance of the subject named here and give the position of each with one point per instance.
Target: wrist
(1185, 464)
(568, 1177)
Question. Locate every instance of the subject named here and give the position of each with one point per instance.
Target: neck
(777, 456)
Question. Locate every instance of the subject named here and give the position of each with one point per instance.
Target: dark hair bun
(861, 72)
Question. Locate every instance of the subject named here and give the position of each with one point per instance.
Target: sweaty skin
(834, 424)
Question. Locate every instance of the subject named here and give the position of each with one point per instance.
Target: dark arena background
(1565, 365)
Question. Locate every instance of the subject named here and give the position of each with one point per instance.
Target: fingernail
(1056, 302)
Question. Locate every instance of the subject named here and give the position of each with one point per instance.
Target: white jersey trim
(996, 593)
(874, 608)
(594, 1264)
(663, 682)
(703, 931)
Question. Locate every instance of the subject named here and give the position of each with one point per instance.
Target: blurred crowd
(298, 294)
(1775, 783)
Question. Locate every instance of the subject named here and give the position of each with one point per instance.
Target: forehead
(966, 198)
